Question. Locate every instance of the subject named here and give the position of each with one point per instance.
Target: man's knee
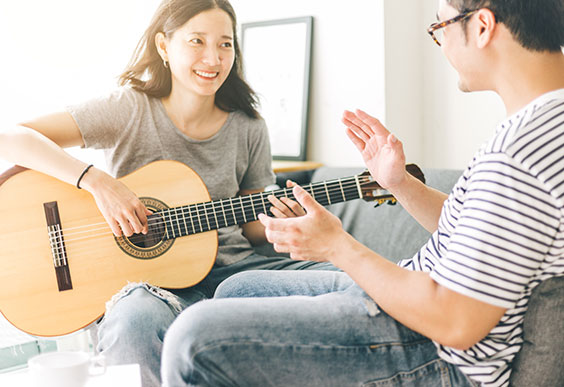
(238, 285)
(197, 326)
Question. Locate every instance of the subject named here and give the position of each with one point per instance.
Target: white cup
(64, 369)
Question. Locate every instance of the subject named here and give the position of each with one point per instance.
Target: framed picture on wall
(277, 62)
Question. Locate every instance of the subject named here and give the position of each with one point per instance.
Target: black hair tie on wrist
(82, 175)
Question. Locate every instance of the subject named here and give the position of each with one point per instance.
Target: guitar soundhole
(153, 237)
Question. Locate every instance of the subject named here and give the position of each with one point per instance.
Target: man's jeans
(132, 331)
(327, 332)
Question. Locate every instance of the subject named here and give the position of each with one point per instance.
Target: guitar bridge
(57, 242)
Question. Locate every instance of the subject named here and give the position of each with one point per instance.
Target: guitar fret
(184, 220)
(262, 198)
(207, 217)
(358, 186)
(191, 219)
(223, 210)
(165, 224)
(171, 223)
(327, 191)
(342, 191)
(253, 208)
(242, 210)
(215, 215)
(312, 191)
(233, 210)
(178, 221)
(199, 220)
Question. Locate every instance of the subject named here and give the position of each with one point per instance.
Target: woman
(183, 98)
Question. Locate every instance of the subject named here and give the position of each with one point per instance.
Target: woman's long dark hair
(147, 73)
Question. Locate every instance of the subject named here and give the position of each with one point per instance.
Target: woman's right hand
(121, 208)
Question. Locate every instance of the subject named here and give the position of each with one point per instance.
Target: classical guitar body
(60, 262)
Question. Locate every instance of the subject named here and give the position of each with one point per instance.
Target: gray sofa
(394, 234)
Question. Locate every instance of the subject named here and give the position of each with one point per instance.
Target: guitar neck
(213, 215)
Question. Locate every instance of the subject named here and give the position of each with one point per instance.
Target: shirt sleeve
(503, 233)
(259, 173)
(101, 119)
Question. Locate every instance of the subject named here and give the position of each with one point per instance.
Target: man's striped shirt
(501, 231)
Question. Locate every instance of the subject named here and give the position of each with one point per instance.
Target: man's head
(536, 25)
(493, 45)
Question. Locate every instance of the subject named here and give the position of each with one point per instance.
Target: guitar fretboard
(212, 215)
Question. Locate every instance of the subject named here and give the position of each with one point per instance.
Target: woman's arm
(39, 144)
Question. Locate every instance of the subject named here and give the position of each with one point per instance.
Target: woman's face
(201, 53)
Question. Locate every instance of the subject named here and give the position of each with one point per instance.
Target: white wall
(455, 124)
(347, 68)
(441, 127)
(403, 73)
(61, 52)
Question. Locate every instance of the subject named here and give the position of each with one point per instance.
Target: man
(451, 315)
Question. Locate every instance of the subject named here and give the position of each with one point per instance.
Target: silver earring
(165, 63)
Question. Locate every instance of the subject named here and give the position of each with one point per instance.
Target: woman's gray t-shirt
(134, 129)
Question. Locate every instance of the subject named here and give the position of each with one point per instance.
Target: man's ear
(486, 27)
(160, 43)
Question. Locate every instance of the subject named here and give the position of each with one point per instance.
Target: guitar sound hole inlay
(153, 244)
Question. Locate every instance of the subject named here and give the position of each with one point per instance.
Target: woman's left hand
(285, 207)
(317, 235)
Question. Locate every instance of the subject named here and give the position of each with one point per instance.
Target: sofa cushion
(539, 363)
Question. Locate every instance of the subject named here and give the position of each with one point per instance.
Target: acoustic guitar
(60, 262)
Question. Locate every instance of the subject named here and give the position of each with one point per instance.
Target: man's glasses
(436, 29)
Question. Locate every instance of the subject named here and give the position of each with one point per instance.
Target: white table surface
(128, 375)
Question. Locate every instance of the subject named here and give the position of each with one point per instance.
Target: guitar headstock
(373, 192)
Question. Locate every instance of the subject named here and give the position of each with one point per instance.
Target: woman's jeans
(314, 328)
(132, 331)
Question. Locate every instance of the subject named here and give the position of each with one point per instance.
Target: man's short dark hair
(536, 25)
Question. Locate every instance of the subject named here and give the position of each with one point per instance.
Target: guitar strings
(362, 180)
(233, 206)
(226, 218)
(206, 206)
(91, 239)
(183, 212)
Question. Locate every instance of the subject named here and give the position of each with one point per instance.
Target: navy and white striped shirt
(501, 231)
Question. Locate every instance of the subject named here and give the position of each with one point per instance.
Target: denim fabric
(326, 332)
(133, 330)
